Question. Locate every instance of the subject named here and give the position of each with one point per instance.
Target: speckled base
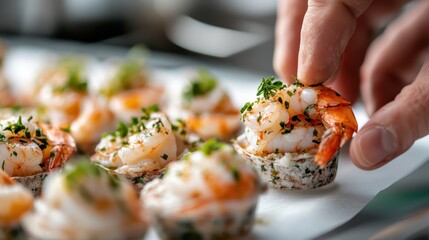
(297, 172)
(222, 227)
(138, 180)
(34, 182)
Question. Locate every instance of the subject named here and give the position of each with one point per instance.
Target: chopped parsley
(315, 133)
(308, 109)
(247, 107)
(164, 156)
(286, 128)
(297, 82)
(75, 174)
(235, 174)
(210, 146)
(269, 87)
(2, 165)
(201, 85)
(75, 77)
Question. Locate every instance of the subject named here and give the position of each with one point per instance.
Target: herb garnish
(210, 146)
(201, 85)
(308, 109)
(269, 87)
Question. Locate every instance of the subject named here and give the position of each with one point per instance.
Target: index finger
(327, 28)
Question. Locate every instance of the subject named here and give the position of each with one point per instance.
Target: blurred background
(238, 33)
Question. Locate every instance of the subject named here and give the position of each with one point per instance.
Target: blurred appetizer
(85, 202)
(141, 149)
(65, 102)
(126, 85)
(208, 109)
(30, 150)
(293, 133)
(61, 90)
(15, 200)
(210, 194)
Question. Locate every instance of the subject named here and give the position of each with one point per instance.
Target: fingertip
(373, 147)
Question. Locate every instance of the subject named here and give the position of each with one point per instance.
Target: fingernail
(377, 145)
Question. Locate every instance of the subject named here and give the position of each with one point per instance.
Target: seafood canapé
(293, 133)
(85, 202)
(298, 119)
(211, 189)
(141, 148)
(209, 111)
(15, 200)
(28, 148)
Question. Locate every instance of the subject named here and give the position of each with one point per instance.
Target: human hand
(329, 40)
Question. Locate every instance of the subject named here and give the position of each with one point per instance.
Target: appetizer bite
(293, 133)
(141, 149)
(85, 202)
(126, 85)
(64, 102)
(208, 109)
(61, 90)
(15, 200)
(30, 150)
(210, 194)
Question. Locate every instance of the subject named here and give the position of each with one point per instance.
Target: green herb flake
(315, 133)
(164, 156)
(286, 104)
(247, 107)
(235, 174)
(269, 87)
(316, 141)
(289, 93)
(211, 146)
(263, 168)
(308, 109)
(2, 165)
(204, 83)
(297, 82)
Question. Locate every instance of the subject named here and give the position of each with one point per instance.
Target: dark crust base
(138, 180)
(299, 173)
(171, 228)
(34, 182)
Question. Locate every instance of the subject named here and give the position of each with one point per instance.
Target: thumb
(394, 128)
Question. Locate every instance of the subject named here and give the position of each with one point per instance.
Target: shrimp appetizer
(210, 194)
(30, 150)
(141, 149)
(293, 133)
(126, 85)
(61, 91)
(15, 200)
(85, 202)
(208, 109)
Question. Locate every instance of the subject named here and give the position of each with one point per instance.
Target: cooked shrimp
(298, 118)
(215, 125)
(206, 180)
(146, 144)
(129, 103)
(15, 200)
(153, 148)
(27, 148)
(94, 119)
(209, 110)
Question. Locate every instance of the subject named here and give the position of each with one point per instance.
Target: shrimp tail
(329, 145)
(63, 145)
